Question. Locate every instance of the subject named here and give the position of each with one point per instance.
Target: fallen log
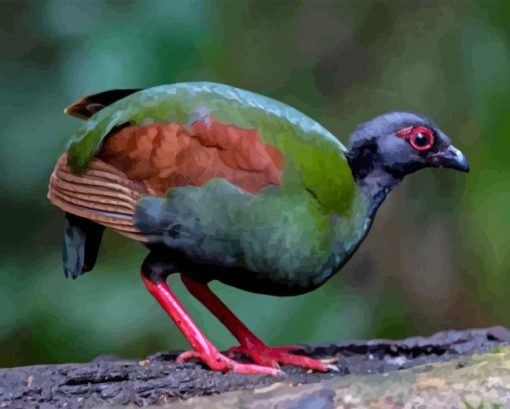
(465, 367)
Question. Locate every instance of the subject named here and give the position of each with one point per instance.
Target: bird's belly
(274, 282)
(267, 283)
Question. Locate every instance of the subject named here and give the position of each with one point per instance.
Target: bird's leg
(250, 344)
(154, 274)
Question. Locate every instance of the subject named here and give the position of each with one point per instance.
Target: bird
(220, 183)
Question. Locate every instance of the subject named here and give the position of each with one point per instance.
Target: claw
(186, 356)
(220, 362)
(264, 355)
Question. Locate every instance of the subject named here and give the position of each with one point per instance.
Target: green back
(314, 158)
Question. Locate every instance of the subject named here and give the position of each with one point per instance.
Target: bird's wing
(140, 160)
(313, 159)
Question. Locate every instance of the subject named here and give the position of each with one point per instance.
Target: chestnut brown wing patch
(140, 160)
(166, 155)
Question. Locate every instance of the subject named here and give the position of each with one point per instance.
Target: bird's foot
(219, 362)
(265, 355)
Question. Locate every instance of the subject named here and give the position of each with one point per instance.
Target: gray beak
(452, 158)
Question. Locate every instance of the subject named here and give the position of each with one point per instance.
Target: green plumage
(294, 235)
(314, 158)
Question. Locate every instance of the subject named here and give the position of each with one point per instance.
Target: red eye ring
(411, 135)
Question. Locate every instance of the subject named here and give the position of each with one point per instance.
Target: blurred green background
(438, 254)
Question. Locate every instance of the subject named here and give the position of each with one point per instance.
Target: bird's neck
(376, 184)
(350, 231)
(373, 178)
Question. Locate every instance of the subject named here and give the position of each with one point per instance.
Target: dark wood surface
(158, 380)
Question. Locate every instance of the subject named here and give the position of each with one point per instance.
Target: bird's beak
(452, 158)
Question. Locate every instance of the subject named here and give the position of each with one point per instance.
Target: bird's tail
(82, 238)
(101, 197)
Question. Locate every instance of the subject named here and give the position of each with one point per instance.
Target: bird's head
(385, 149)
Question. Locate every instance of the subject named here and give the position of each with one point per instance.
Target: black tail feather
(82, 238)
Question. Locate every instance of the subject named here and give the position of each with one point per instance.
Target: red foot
(220, 362)
(265, 355)
(251, 346)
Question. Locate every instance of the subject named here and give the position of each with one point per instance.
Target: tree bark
(450, 369)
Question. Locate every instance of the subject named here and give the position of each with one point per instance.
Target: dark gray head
(385, 149)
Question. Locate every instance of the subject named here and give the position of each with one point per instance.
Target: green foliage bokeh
(438, 254)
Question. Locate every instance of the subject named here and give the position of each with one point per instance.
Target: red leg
(250, 345)
(203, 349)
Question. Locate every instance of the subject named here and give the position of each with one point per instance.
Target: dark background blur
(437, 257)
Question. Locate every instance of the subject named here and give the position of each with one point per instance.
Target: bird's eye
(420, 138)
(420, 141)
